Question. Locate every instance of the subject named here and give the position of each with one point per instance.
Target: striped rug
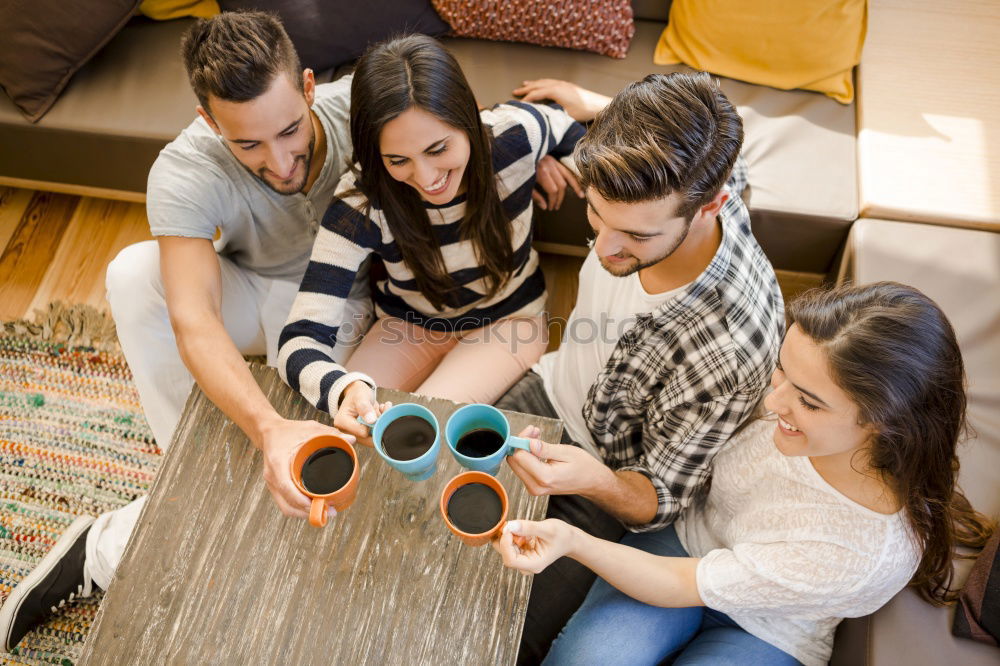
(73, 441)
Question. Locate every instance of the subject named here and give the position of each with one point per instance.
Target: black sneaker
(60, 577)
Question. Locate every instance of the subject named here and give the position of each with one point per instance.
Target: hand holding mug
(278, 445)
(358, 400)
(557, 469)
(529, 546)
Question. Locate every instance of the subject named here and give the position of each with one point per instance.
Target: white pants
(254, 310)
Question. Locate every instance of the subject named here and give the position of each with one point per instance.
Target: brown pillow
(46, 41)
(601, 26)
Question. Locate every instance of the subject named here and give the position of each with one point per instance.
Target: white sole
(16, 598)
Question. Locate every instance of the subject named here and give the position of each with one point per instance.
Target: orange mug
(322, 460)
(472, 534)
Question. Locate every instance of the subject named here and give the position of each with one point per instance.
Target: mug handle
(317, 512)
(365, 423)
(514, 442)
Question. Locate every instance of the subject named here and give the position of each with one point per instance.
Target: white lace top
(784, 554)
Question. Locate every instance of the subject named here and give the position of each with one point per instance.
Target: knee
(134, 269)
(133, 277)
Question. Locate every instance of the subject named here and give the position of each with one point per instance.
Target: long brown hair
(417, 72)
(893, 351)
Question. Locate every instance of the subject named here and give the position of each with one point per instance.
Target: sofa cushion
(807, 44)
(929, 133)
(329, 33)
(799, 145)
(960, 270)
(46, 41)
(601, 26)
(113, 118)
(165, 10)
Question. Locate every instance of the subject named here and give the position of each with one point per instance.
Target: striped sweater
(523, 133)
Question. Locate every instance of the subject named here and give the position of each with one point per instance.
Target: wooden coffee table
(215, 574)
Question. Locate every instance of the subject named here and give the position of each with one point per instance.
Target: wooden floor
(56, 247)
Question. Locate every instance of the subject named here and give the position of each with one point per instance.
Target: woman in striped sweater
(441, 193)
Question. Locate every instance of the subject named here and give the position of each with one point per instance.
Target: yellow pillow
(163, 10)
(808, 44)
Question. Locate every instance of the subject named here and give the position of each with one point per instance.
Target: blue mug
(421, 467)
(465, 420)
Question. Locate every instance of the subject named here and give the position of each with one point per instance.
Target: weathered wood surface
(215, 574)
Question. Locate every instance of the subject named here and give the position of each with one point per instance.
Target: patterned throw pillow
(601, 26)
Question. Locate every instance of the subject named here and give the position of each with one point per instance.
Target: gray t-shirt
(197, 185)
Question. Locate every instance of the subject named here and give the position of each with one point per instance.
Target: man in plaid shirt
(697, 318)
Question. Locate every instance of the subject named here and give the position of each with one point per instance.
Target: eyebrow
(808, 393)
(638, 234)
(287, 129)
(427, 149)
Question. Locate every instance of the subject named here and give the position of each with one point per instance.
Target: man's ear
(712, 208)
(203, 112)
(309, 85)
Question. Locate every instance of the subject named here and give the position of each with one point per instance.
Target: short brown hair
(235, 56)
(667, 133)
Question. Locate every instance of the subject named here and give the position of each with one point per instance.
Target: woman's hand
(553, 178)
(358, 400)
(580, 103)
(530, 546)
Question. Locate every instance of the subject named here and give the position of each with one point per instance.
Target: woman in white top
(825, 509)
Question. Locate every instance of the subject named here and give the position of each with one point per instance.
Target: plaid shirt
(688, 374)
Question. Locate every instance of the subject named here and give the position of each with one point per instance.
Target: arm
(305, 347)
(193, 283)
(580, 103)
(659, 581)
(561, 469)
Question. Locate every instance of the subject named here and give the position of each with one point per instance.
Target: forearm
(659, 581)
(222, 374)
(628, 496)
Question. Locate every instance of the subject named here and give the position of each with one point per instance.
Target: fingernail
(512, 526)
(370, 417)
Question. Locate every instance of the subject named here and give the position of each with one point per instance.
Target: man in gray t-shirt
(234, 203)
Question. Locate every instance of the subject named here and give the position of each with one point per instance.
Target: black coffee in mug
(407, 437)
(327, 470)
(479, 443)
(475, 508)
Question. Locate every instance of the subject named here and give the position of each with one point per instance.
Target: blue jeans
(613, 628)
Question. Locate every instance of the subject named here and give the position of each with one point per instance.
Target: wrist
(576, 542)
(263, 425)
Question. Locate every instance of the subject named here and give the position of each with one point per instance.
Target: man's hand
(358, 400)
(558, 469)
(279, 442)
(580, 103)
(530, 546)
(553, 178)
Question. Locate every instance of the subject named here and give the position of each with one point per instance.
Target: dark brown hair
(236, 55)
(417, 72)
(893, 351)
(667, 133)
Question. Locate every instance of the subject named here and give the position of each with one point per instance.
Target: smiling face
(271, 135)
(629, 237)
(816, 417)
(426, 153)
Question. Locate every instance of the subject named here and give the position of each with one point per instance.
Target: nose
(279, 162)
(774, 401)
(424, 173)
(605, 244)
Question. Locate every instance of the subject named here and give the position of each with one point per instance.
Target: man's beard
(296, 186)
(625, 271)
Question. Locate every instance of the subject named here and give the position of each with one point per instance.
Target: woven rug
(73, 441)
